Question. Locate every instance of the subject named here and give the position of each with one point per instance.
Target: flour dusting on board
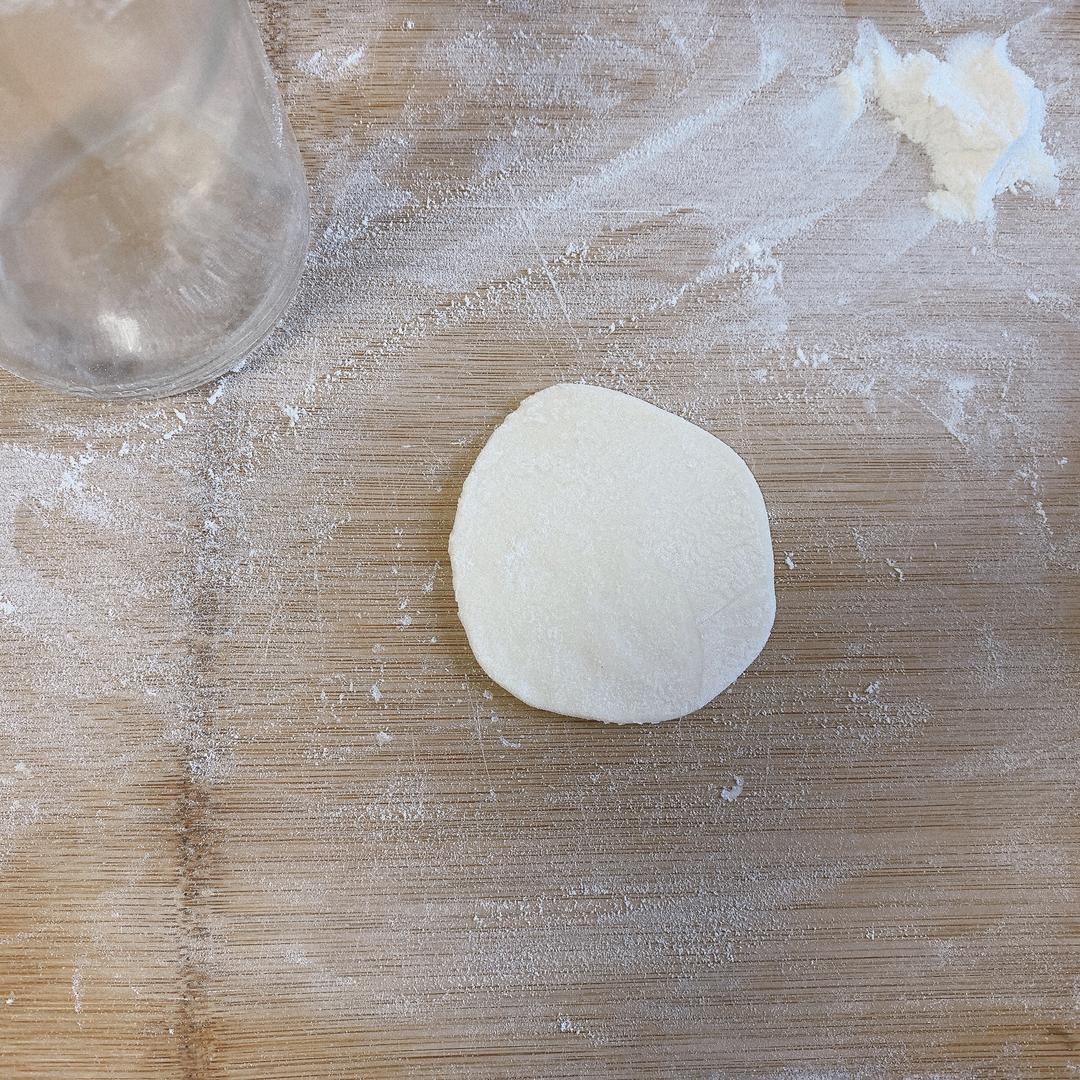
(232, 666)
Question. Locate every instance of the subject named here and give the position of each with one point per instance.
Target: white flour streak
(330, 68)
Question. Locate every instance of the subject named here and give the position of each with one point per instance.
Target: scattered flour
(330, 65)
(978, 117)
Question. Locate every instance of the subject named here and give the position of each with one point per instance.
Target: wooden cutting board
(261, 815)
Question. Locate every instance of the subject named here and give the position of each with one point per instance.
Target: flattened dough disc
(611, 561)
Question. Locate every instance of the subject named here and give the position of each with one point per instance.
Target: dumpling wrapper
(611, 561)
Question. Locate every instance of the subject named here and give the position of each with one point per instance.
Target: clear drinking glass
(153, 208)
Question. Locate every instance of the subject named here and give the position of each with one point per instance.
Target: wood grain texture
(262, 816)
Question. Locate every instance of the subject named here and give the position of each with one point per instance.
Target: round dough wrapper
(611, 561)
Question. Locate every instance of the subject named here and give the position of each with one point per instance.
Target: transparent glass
(154, 213)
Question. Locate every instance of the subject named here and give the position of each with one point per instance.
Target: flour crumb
(429, 583)
(383, 738)
(314, 64)
(292, 412)
(789, 560)
(813, 360)
(868, 697)
(376, 693)
(898, 571)
(758, 265)
(351, 60)
(730, 794)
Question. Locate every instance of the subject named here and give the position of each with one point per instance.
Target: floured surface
(260, 812)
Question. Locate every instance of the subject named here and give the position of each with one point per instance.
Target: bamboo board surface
(261, 815)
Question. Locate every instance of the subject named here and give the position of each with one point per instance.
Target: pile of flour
(976, 114)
